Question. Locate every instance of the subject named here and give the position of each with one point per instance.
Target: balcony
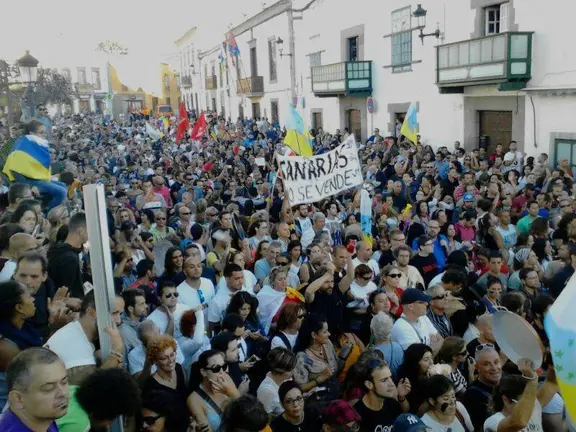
(186, 81)
(352, 78)
(85, 89)
(504, 59)
(211, 82)
(251, 87)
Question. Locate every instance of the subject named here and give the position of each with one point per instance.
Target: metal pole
(292, 43)
(101, 264)
(31, 100)
(5, 82)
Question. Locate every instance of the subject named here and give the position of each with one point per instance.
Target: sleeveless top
(214, 417)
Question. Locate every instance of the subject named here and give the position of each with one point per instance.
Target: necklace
(321, 354)
(168, 381)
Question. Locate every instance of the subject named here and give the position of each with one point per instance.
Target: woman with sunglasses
(215, 390)
(168, 379)
(453, 352)
(156, 414)
(390, 282)
(494, 289)
(295, 418)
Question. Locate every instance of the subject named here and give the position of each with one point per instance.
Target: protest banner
(313, 178)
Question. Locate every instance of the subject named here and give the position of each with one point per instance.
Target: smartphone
(204, 306)
(36, 230)
(253, 359)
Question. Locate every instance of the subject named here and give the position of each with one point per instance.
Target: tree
(53, 87)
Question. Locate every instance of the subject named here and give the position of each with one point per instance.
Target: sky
(65, 32)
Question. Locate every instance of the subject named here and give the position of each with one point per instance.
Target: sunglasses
(484, 346)
(186, 214)
(366, 277)
(217, 368)
(175, 294)
(395, 276)
(150, 420)
(160, 218)
(439, 297)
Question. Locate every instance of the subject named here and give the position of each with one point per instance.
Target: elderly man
(437, 310)
(364, 256)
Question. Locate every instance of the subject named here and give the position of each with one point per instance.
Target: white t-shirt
(406, 333)
(8, 271)
(455, 426)
(249, 282)
(72, 346)
(361, 294)
(277, 342)
(267, 393)
(371, 263)
(219, 304)
(159, 318)
(534, 424)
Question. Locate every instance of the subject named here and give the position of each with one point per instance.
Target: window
(317, 120)
(496, 19)
(221, 72)
(315, 59)
(401, 40)
(213, 67)
(81, 75)
(353, 48)
(274, 111)
(166, 80)
(67, 74)
(96, 79)
(272, 59)
(565, 149)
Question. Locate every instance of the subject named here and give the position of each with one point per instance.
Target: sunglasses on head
(217, 368)
(484, 346)
(169, 295)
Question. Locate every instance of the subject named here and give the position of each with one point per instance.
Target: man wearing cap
(409, 423)
(414, 326)
(340, 416)
(384, 402)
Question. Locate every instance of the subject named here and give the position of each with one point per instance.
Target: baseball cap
(339, 412)
(413, 295)
(468, 197)
(409, 423)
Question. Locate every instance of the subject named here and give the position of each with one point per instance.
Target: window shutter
(504, 25)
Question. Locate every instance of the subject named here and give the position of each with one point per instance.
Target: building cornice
(185, 36)
(267, 14)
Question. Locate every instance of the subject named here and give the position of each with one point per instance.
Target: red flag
(199, 128)
(183, 123)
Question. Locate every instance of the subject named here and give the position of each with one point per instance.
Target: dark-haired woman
(418, 359)
(16, 333)
(173, 263)
(445, 412)
(295, 418)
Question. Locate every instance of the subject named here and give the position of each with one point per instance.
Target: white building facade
(91, 83)
(187, 67)
(498, 70)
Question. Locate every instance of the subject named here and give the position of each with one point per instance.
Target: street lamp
(280, 43)
(420, 14)
(28, 67)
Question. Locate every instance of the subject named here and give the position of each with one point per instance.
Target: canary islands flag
(30, 157)
(410, 127)
(366, 216)
(560, 327)
(297, 137)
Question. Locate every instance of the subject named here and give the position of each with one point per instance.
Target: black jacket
(64, 268)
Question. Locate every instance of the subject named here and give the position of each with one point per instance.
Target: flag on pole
(560, 327)
(153, 132)
(183, 123)
(222, 60)
(366, 216)
(297, 137)
(232, 47)
(199, 128)
(410, 127)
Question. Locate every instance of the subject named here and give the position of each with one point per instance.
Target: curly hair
(158, 346)
(109, 393)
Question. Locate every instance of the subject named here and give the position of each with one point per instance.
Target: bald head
(21, 243)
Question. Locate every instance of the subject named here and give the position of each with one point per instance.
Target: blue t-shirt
(10, 423)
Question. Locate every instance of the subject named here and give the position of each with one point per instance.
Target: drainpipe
(292, 43)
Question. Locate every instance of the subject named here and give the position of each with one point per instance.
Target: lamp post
(28, 67)
(420, 14)
(5, 83)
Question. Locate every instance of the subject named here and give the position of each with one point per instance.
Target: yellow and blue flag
(560, 327)
(30, 157)
(410, 127)
(297, 137)
(366, 216)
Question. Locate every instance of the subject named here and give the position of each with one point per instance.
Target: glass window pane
(486, 50)
(453, 56)
(443, 57)
(474, 52)
(499, 48)
(519, 46)
(563, 151)
(463, 53)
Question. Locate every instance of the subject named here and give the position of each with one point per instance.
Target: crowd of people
(237, 312)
